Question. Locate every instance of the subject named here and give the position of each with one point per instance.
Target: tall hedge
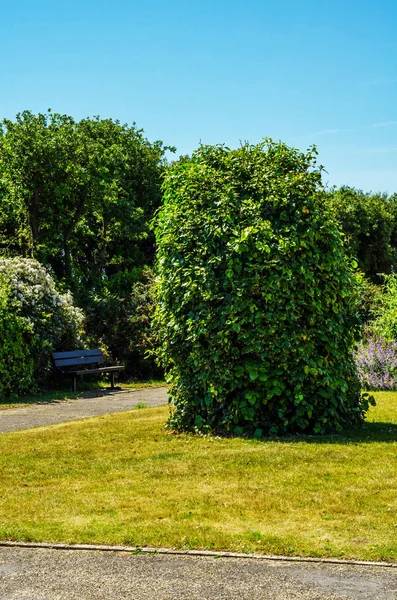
(255, 296)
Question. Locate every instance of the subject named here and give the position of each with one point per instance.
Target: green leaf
(198, 421)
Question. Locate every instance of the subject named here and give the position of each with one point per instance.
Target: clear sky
(217, 72)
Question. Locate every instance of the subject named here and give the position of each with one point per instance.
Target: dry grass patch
(123, 479)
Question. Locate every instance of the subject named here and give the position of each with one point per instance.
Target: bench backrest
(74, 358)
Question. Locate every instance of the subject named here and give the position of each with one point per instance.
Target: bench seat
(73, 363)
(100, 370)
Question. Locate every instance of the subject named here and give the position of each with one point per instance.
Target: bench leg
(74, 389)
(112, 380)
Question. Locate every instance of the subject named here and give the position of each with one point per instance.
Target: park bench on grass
(80, 362)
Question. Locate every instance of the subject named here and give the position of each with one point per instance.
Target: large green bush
(255, 296)
(36, 320)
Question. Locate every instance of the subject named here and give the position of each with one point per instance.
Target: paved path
(78, 408)
(41, 574)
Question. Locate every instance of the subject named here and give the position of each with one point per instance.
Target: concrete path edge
(213, 553)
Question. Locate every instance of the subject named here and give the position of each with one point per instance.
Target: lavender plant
(376, 360)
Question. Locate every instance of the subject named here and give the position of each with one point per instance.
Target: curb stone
(210, 553)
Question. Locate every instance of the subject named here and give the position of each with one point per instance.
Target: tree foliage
(369, 222)
(255, 296)
(78, 196)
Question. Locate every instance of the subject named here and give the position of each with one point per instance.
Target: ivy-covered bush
(37, 320)
(256, 309)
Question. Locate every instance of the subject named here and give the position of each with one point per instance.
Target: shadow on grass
(369, 432)
(45, 398)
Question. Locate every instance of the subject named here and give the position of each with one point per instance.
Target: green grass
(66, 394)
(124, 479)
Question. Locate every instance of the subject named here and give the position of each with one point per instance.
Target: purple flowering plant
(376, 360)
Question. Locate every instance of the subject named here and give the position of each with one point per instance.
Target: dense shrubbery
(255, 296)
(79, 196)
(368, 298)
(384, 323)
(36, 320)
(122, 324)
(369, 222)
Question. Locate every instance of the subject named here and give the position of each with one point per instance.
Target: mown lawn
(124, 479)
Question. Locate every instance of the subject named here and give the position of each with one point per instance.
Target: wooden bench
(79, 362)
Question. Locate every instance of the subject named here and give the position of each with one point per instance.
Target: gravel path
(78, 408)
(41, 574)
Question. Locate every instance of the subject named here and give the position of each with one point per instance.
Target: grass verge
(123, 479)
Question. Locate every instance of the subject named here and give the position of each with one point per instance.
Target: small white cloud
(384, 124)
(346, 130)
(322, 132)
(326, 131)
(386, 150)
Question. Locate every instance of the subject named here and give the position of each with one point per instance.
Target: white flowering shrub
(46, 319)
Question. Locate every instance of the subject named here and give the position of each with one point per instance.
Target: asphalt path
(61, 411)
(42, 574)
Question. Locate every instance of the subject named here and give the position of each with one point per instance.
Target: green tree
(369, 222)
(78, 196)
(255, 296)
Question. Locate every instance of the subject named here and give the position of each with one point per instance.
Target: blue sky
(306, 72)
